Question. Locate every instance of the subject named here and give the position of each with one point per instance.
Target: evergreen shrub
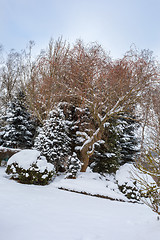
(29, 167)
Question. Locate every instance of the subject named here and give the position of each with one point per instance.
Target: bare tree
(10, 75)
(149, 160)
(87, 77)
(108, 88)
(46, 83)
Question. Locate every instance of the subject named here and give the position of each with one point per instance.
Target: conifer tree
(128, 139)
(74, 165)
(107, 155)
(19, 126)
(53, 139)
(118, 146)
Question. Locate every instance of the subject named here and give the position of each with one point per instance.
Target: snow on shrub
(53, 139)
(126, 184)
(129, 178)
(28, 166)
(74, 165)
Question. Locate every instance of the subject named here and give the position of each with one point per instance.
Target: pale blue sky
(116, 24)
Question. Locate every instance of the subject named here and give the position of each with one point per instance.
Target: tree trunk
(86, 151)
(85, 162)
(85, 157)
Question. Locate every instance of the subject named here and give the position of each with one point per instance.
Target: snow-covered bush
(126, 183)
(28, 166)
(74, 165)
(131, 192)
(139, 186)
(118, 145)
(53, 139)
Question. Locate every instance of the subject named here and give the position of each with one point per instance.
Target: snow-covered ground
(31, 212)
(92, 184)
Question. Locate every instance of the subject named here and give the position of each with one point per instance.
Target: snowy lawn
(92, 184)
(31, 212)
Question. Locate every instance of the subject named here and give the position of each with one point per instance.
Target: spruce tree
(19, 126)
(74, 165)
(128, 139)
(53, 139)
(119, 145)
(107, 152)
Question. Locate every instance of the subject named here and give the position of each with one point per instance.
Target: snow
(45, 212)
(128, 173)
(123, 174)
(27, 157)
(91, 183)
(5, 149)
(89, 140)
(78, 133)
(24, 158)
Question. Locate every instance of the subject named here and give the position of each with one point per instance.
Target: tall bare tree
(108, 89)
(10, 76)
(86, 76)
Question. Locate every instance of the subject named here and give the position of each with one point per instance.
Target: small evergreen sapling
(74, 165)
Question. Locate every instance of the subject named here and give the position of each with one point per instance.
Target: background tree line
(76, 104)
